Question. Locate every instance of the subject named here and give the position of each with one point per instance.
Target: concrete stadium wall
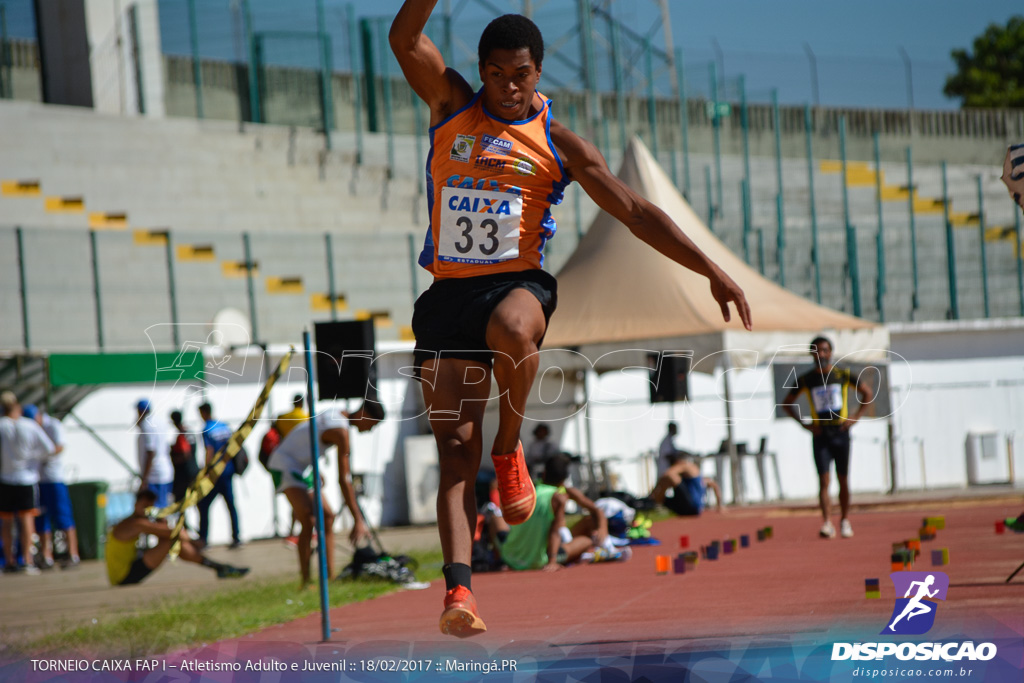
(209, 182)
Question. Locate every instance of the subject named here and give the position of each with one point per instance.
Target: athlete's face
(822, 354)
(510, 80)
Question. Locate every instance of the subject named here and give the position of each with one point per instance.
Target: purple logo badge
(914, 613)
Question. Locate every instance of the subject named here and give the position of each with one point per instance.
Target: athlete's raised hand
(725, 289)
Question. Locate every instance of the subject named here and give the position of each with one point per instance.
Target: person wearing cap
(156, 471)
(23, 445)
(53, 492)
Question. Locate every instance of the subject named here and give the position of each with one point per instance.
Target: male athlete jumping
(498, 162)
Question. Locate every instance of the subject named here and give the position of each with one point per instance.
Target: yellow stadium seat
(238, 268)
(1000, 233)
(321, 301)
(196, 252)
(405, 333)
(151, 238)
(896, 193)
(962, 219)
(20, 188)
(64, 204)
(379, 318)
(284, 285)
(108, 221)
(928, 205)
(836, 166)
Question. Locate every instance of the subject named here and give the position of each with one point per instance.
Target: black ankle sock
(456, 574)
(207, 562)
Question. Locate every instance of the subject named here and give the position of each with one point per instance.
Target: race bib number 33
(479, 226)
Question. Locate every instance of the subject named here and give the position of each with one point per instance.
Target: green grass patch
(169, 624)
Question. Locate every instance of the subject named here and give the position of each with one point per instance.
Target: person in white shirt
(288, 466)
(53, 493)
(23, 444)
(156, 470)
(667, 451)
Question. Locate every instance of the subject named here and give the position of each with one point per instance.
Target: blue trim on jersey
(548, 225)
(554, 152)
(489, 115)
(426, 256)
(469, 104)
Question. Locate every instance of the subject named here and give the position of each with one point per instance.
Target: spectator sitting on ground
(543, 541)
(688, 489)
(126, 565)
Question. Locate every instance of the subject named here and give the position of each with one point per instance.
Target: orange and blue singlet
(491, 184)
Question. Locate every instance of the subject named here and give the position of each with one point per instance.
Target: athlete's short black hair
(511, 32)
(373, 409)
(556, 470)
(818, 341)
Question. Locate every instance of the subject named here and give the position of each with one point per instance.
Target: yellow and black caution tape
(207, 477)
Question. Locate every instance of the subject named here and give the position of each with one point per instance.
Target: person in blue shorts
(54, 499)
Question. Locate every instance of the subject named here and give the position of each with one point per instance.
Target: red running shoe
(459, 617)
(515, 489)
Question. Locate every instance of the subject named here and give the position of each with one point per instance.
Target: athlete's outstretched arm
(584, 164)
(443, 89)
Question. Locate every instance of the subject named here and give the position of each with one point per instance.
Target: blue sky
(855, 43)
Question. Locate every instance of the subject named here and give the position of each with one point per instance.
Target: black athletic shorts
(16, 498)
(450, 318)
(137, 573)
(831, 444)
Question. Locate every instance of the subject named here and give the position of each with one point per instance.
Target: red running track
(794, 584)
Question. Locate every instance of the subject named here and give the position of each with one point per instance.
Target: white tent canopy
(617, 292)
(619, 299)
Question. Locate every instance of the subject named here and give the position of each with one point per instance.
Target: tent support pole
(735, 476)
(592, 488)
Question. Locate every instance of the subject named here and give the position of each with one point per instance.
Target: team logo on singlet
(524, 165)
(462, 150)
(493, 144)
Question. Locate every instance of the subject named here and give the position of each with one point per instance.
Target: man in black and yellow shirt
(827, 389)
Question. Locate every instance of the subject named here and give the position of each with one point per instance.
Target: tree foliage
(993, 76)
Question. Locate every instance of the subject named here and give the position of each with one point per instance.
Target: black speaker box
(344, 359)
(668, 372)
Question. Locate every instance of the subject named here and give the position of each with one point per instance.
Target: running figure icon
(916, 606)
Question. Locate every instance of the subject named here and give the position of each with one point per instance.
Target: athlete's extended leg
(514, 332)
(455, 392)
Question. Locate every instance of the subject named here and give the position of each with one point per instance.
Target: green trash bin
(89, 506)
